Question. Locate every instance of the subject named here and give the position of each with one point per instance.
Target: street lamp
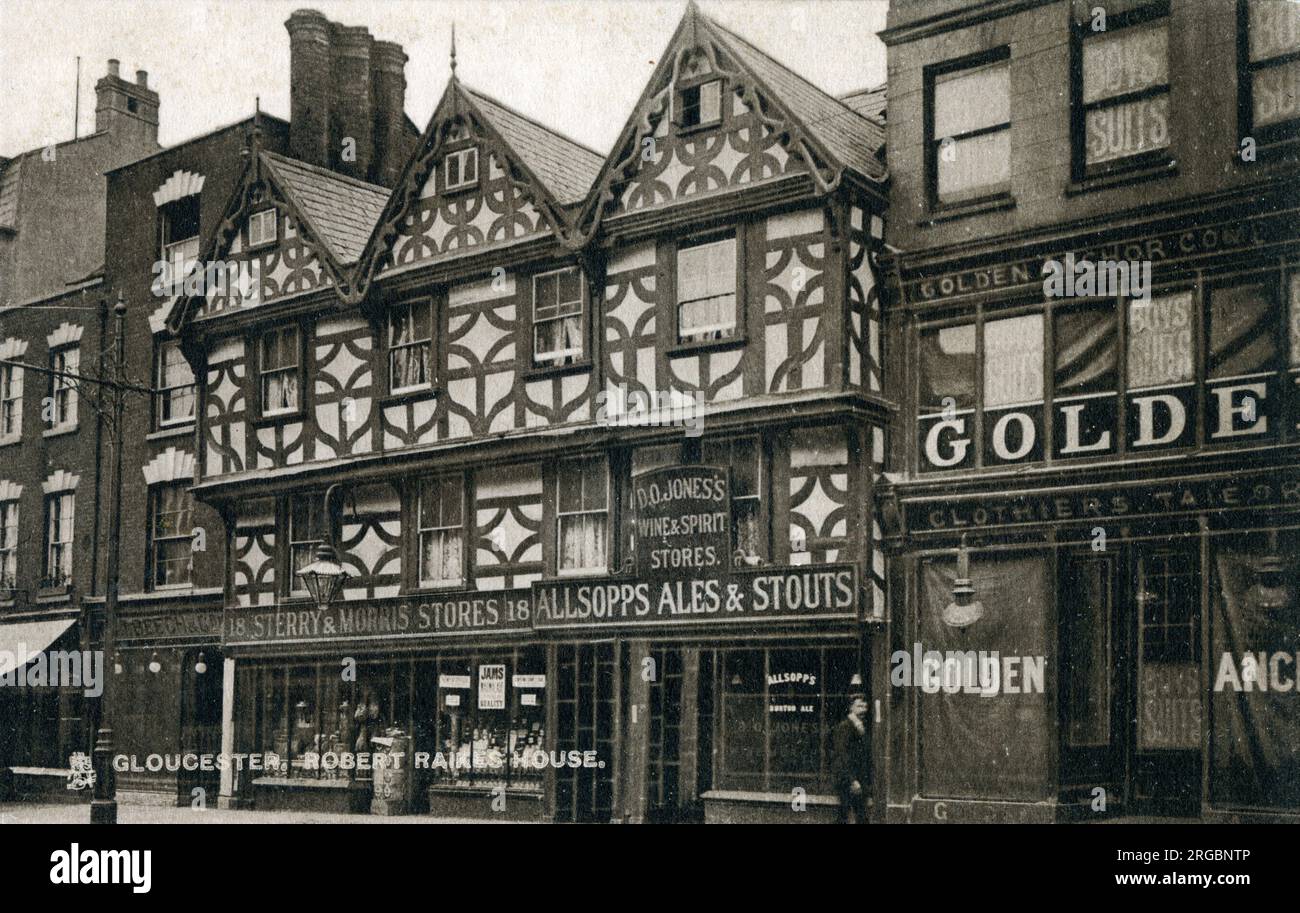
(103, 807)
(965, 609)
(325, 576)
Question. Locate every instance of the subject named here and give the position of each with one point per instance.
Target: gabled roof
(846, 134)
(565, 166)
(868, 102)
(343, 210)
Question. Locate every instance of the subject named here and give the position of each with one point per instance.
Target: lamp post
(325, 576)
(103, 807)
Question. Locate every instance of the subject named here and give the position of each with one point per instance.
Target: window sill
(414, 395)
(459, 188)
(707, 345)
(54, 593)
(684, 130)
(60, 430)
(171, 431)
(543, 372)
(439, 589)
(11, 440)
(279, 418)
(939, 215)
(1135, 175)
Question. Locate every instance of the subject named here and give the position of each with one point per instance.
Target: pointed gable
(289, 228)
(527, 182)
(719, 114)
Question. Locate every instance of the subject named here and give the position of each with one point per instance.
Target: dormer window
(700, 104)
(460, 169)
(262, 228)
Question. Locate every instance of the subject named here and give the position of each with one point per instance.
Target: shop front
(1094, 527)
(694, 685)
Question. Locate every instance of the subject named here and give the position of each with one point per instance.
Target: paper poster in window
(492, 687)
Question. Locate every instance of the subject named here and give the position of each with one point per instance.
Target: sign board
(492, 687)
(683, 522)
(452, 615)
(745, 597)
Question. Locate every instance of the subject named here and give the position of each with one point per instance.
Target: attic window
(460, 169)
(261, 227)
(700, 104)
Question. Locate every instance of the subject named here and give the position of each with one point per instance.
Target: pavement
(43, 813)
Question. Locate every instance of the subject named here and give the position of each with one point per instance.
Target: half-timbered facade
(487, 385)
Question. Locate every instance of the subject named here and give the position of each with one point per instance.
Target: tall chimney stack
(310, 86)
(352, 140)
(124, 108)
(388, 91)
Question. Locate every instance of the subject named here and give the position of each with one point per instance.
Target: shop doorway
(1092, 690)
(585, 697)
(680, 750)
(201, 719)
(1169, 716)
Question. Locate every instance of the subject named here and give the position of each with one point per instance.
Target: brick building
(1100, 485)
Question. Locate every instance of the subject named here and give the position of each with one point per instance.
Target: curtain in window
(1254, 762)
(977, 746)
(441, 556)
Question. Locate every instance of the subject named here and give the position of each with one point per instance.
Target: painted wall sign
(1236, 492)
(451, 615)
(1165, 418)
(683, 521)
(197, 625)
(744, 597)
(1158, 247)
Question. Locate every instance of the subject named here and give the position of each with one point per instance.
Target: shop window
(947, 369)
(1160, 346)
(174, 382)
(1122, 101)
(279, 371)
(1242, 330)
(700, 105)
(1269, 76)
(8, 547)
(706, 291)
(11, 402)
(410, 345)
(1168, 602)
(491, 721)
(1086, 350)
(179, 232)
(170, 528)
(65, 365)
(442, 531)
(1086, 661)
(557, 317)
(1013, 361)
(58, 539)
(460, 169)
(969, 148)
(262, 227)
(744, 456)
(777, 711)
(582, 515)
(308, 528)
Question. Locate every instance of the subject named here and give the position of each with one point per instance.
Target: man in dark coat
(851, 761)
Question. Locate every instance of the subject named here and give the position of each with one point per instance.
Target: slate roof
(567, 168)
(853, 139)
(342, 209)
(867, 102)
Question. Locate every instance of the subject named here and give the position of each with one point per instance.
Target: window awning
(22, 640)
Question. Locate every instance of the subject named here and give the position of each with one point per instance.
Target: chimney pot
(142, 78)
(113, 66)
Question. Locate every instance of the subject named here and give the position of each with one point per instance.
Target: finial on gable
(453, 50)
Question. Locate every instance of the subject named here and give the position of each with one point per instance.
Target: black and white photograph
(472, 412)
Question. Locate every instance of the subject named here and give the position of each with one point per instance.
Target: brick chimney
(126, 109)
(347, 97)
